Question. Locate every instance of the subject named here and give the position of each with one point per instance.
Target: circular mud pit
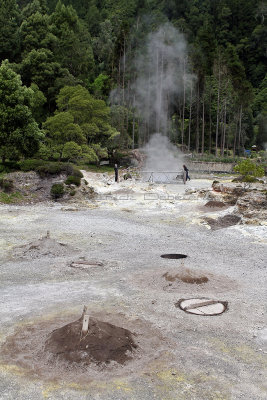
(187, 277)
(202, 306)
(102, 343)
(173, 256)
(56, 349)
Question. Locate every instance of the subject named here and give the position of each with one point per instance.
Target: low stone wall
(210, 167)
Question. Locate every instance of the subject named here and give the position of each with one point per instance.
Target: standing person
(187, 177)
(116, 170)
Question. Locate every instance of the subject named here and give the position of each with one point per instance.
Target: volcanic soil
(139, 345)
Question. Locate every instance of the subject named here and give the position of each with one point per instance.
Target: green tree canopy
(19, 133)
(80, 119)
(9, 29)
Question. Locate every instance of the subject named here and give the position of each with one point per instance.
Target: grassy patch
(96, 168)
(11, 198)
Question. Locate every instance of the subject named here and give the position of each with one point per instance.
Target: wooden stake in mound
(85, 321)
(89, 340)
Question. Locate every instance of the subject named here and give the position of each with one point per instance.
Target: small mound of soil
(223, 222)
(186, 277)
(102, 343)
(214, 203)
(44, 246)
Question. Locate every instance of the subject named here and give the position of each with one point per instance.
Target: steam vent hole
(102, 343)
(173, 256)
(202, 306)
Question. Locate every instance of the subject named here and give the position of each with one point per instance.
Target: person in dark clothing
(116, 169)
(187, 177)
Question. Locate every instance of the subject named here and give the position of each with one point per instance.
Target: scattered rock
(223, 222)
(214, 203)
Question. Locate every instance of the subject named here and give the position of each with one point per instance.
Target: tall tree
(19, 133)
(9, 30)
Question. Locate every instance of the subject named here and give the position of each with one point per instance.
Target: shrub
(30, 165)
(6, 185)
(50, 169)
(55, 168)
(249, 179)
(72, 192)
(73, 180)
(249, 168)
(57, 190)
(77, 172)
(47, 168)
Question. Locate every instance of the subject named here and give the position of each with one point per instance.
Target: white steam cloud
(161, 77)
(163, 159)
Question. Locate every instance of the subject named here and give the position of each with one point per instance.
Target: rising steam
(162, 77)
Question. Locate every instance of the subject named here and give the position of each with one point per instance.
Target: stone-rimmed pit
(202, 306)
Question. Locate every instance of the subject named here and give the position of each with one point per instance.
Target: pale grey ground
(200, 358)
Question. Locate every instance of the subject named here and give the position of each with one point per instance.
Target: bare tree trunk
(160, 96)
(224, 128)
(183, 103)
(133, 131)
(190, 117)
(158, 93)
(240, 139)
(210, 122)
(218, 114)
(123, 73)
(203, 125)
(235, 137)
(167, 115)
(197, 120)
(119, 74)
(149, 105)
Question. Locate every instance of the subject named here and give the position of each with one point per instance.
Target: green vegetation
(19, 133)
(97, 168)
(10, 198)
(6, 185)
(47, 168)
(249, 170)
(73, 180)
(60, 60)
(57, 191)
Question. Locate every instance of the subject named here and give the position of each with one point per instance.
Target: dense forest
(61, 60)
